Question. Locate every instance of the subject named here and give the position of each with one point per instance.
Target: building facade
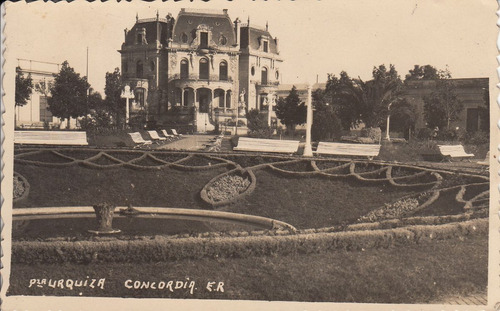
(36, 113)
(196, 69)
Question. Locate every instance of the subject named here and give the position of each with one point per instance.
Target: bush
(424, 133)
(477, 138)
(374, 133)
(169, 249)
(257, 125)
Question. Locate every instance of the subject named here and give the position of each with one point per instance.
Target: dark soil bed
(472, 191)
(444, 205)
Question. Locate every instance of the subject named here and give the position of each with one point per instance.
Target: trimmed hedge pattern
(168, 249)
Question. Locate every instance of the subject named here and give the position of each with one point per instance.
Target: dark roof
(250, 36)
(219, 23)
(150, 27)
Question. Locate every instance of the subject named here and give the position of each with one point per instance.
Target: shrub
(477, 138)
(168, 249)
(257, 125)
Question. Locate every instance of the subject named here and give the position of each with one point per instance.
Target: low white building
(35, 114)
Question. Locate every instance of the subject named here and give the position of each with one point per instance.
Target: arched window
(184, 38)
(152, 66)
(263, 78)
(223, 70)
(184, 69)
(139, 69)
(204, 69)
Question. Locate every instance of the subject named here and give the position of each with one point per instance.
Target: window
(139, 70)
(152, 66)
(45, 114)
(266, 46)
(204, 69)
(223, 71)
(139, 38)
(252, 71)
(220, 95)
(203, 39)
(263, 78)
(184, 38)
(139, 96)
(222, 40)
(277, 75)
(184, 69)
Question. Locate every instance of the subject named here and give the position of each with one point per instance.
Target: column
(224, 100)
(307, 147)
(182, 96)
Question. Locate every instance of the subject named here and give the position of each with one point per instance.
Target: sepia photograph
(220, 155)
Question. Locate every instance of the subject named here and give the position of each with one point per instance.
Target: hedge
(168, 249)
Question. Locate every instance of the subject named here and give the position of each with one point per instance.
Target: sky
(316, 37)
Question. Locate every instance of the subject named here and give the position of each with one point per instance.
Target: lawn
(292, 192)
(411, 274)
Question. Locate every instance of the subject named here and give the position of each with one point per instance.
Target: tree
(442, 106)
(257, 124)
(69, 94)
(24, 88)
(326, 125)
(371, 99)
(426, 72)
(291, 111)
(337, 94)
(113, 102)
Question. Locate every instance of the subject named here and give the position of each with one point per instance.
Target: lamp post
(388, 122)
(309, 120)
(270, 103)
(127, 94)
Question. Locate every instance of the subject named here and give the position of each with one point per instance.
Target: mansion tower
(198, 68)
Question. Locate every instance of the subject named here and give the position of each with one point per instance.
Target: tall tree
(290, 110)
(371, 99)
(336, 94)
(442, 106)
(24, 88)
(69, 94)
(113, 102)
(326, 125)
(426, 72)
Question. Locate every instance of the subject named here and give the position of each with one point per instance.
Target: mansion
(200, 68)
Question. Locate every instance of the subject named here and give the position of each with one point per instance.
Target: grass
(313, 202)
(412, 274)
(77, 186)
(303, 202)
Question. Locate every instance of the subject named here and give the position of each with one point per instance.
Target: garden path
(188, 142)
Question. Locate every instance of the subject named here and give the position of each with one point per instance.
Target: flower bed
(227, 187)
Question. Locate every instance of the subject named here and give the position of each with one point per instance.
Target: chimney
(237, 31)
(125, 31)
(267, 25)
(225, 11)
